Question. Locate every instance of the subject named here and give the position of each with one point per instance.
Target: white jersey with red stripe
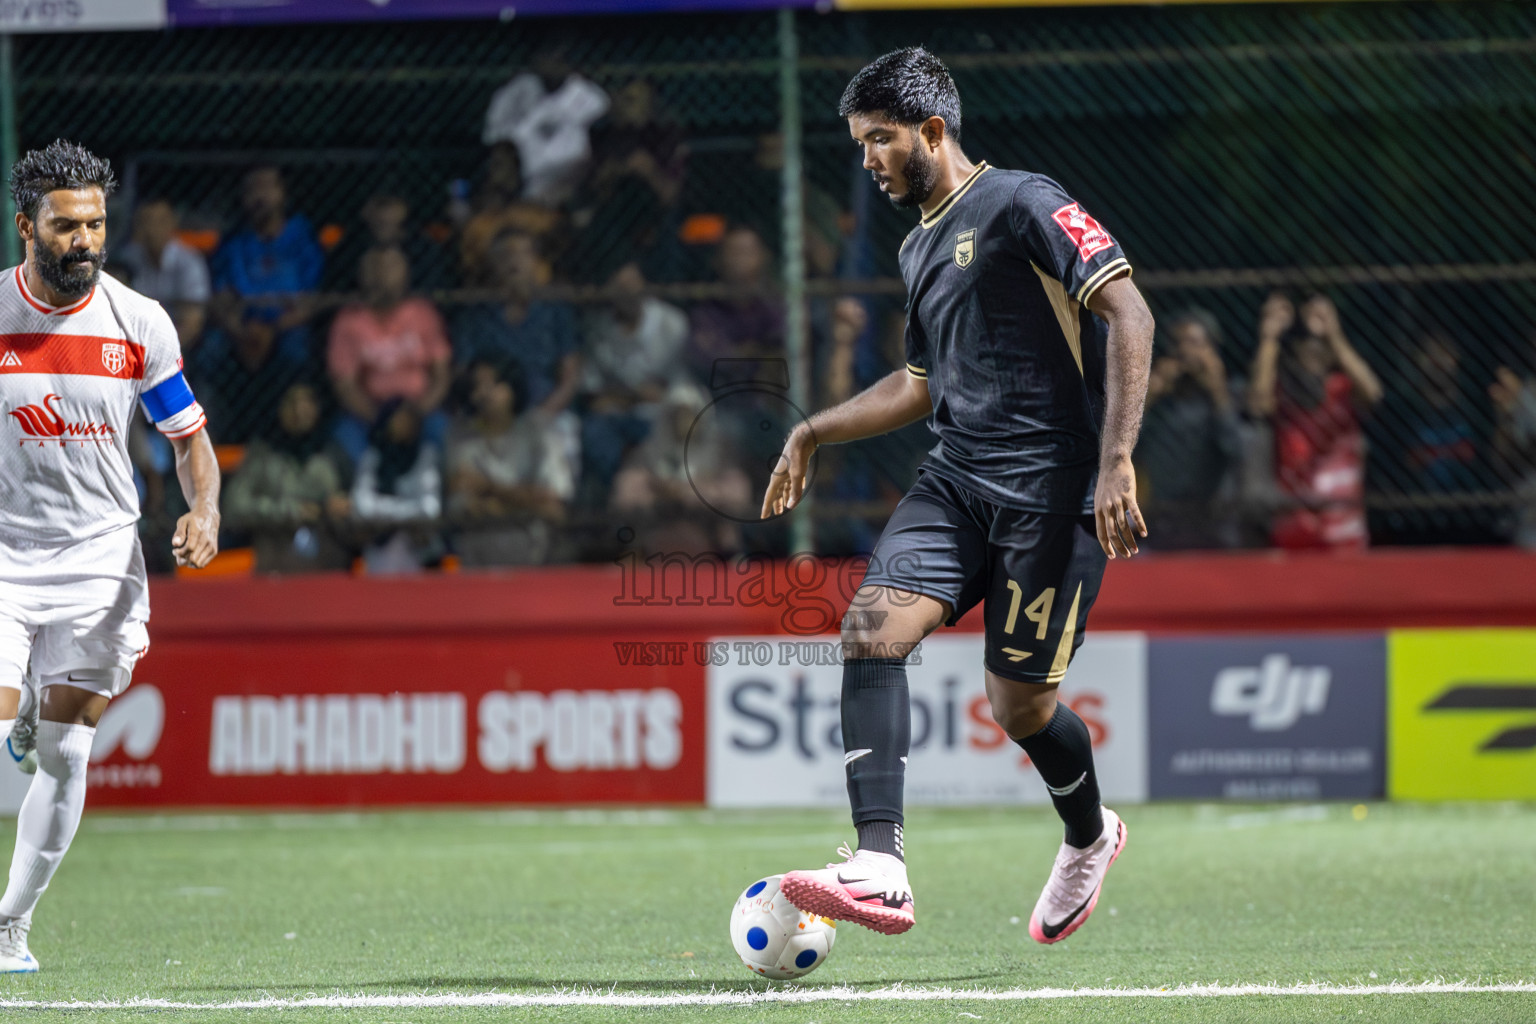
(70, 378)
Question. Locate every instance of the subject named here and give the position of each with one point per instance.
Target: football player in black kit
(1029, 348)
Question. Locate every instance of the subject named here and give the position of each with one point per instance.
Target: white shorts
(74, 615)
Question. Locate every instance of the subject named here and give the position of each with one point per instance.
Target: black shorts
(1038, 573)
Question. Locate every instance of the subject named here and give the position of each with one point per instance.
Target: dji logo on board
(1274, 695)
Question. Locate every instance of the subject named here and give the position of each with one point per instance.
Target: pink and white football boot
(867, 888)
(1076, 880)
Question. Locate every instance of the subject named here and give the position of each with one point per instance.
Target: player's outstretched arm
(196, 540)
(1115, 512)
(889, 404)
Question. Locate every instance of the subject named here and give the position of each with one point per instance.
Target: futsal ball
(776, 939)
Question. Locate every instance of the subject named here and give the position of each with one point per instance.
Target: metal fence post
(796, 326)
(8, 142)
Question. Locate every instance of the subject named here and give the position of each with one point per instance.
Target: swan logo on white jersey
(44, 422)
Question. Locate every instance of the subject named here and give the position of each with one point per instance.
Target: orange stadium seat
(230, 456)
(231, 562)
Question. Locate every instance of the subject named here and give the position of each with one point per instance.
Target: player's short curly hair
(60, 164)
(908, 86)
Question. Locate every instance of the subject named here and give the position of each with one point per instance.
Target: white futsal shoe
(15, 958)
(867, 888)
(1076, 880)
(21, 745)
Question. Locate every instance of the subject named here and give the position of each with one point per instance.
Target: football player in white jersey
(78, 352)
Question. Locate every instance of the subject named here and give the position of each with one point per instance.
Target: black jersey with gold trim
(998, 279)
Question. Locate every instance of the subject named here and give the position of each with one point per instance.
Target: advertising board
(775, 737)
(1267, 717)
(80, 15)
(1462, 714)
(192, 13)
(404, 720)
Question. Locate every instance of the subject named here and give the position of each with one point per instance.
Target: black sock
(1062, 753)
(877, 734)
(880, 837)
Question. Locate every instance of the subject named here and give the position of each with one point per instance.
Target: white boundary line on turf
(782, 995)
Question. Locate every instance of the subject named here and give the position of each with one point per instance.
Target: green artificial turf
(212, 908)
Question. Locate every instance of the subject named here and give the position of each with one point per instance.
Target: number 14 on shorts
(1038, 612)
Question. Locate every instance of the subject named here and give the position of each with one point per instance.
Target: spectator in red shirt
(390, 347)
(1309, 381)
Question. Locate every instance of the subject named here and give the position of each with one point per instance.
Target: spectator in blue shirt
(1441, 427)
(535, 338)
(266, 273)
(264, 277)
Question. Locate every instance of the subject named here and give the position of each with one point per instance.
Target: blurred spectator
(1190, 442)
(399, 480)
(844, 473)
(1436, 429)
(749, 323)
(639, 163)
(825, 218)
(497, 207)
(536, 338)
(636, 142)
(508, 479)
(384, 222)
(167, 270)
(633, 352)
(846, 323)
(1514, 404)
(676, 489)
(264, 277)
(289, 491)
(1311, 383)
(547, 112)
(389, 347)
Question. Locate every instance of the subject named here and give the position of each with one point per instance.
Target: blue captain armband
(169, 397)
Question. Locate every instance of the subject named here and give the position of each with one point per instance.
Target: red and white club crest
(114, 356)
(1083, 230)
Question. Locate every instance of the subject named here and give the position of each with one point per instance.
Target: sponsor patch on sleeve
(1083, 230)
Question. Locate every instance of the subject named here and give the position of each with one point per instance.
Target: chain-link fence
(1327, 208)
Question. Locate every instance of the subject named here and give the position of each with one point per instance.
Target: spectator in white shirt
(509, 480)
(634, 352)
(399, 481)
(167, 269)
(548, 112)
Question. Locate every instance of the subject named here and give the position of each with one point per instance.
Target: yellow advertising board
(1461, 714)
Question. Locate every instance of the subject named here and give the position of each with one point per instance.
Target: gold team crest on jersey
(114, 356)
(965, 248)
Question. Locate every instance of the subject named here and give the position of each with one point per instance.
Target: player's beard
(58, 273)
(922, 173)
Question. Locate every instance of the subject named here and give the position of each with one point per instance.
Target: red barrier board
(383, 720)
(1257, 591)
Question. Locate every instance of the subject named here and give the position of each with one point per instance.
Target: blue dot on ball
(757, 938)
(757, 887)
(805, 959)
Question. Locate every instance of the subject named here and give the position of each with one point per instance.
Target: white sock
(5, 728)
(49, 814)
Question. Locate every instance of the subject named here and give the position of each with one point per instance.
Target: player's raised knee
(862, 626)
(1021, 714)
